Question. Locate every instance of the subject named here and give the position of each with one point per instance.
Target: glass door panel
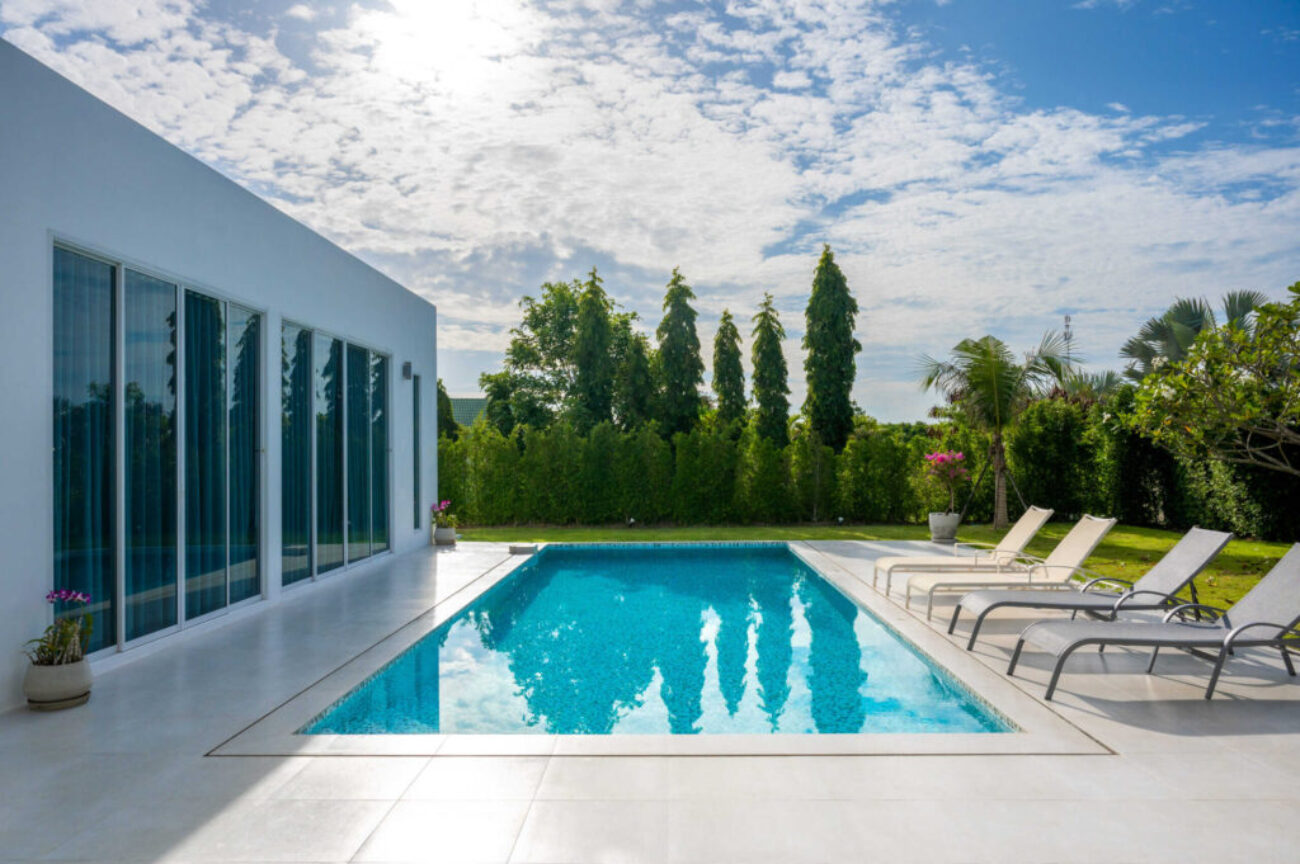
(245, 344)
(328, 360)
(149, 422)
(295, 454)
(378, 452)
(358, 453)
(83, 437)
(205, 455)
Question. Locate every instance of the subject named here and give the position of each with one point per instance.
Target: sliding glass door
(335, 468)
(84, 487)
(149, 415)
(378, 452)
(244, 484)
(295, 454)
(328, 359)
(358, 453)
(162, 382)
(205, 455)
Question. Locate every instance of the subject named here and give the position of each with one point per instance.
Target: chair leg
(1155, 652)
(1214, 676)
(975, 630)
(929, 605)
(1056, 673)
(956, 613)
(1286, 658)
(1015, 657)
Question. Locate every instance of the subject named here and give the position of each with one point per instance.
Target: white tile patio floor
(125, 778)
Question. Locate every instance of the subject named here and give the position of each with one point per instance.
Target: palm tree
(1167, 339)
(984, 383)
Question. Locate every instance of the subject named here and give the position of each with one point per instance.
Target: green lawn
(1126, 551)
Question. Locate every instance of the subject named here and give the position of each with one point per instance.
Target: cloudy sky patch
(974, 170)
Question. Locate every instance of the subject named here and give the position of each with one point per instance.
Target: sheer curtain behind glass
(83, 436)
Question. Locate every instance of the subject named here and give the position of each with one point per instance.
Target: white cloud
(473, 150)
(300, 11)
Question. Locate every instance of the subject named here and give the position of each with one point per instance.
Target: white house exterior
(205, 403)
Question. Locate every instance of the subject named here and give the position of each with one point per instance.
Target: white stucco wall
(73, 169)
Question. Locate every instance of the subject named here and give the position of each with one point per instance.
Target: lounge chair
(1054, 571)
(1004, 556)
(1156, 590)
(1251, 622)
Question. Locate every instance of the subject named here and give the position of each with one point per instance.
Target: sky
(977, 166)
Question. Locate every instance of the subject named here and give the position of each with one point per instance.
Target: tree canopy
(593, 365)
(829, 364)
(1235, 395)
(771, 389)
(728, 374)
(681, 370)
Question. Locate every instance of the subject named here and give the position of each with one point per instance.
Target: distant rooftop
(466, 409)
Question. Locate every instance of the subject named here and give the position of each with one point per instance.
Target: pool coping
(1040, 729)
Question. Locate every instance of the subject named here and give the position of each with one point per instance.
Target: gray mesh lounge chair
(1006, 555)
(1156, 590)
(1268, 613)
(1054, 571)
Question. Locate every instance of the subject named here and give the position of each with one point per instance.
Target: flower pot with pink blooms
(59, 676)
(947, 470)
(442, 524)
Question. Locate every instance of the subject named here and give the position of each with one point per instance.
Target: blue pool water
(660, 639)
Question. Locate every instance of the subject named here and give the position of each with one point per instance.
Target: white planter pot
(444, 536)
(51, 688)
(943, 527)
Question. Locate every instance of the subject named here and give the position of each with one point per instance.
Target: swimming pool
(653, 639)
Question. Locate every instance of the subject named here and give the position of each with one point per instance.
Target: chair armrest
(1127, 595)
(1233, 634)
(1108, 579)
(1184, 607)
(1072, 569)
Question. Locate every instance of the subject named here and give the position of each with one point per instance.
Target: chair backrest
(1181, 563)
(1076, 546)
(1015, 540)
(1275, 598)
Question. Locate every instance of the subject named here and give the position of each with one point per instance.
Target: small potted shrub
(443, 524)
(59, 676)
(947, 469)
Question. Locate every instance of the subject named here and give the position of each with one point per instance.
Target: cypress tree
(634, 387)
(829, 364)
(728, 375)
(679, 359)
(593, 379)
(770, 386)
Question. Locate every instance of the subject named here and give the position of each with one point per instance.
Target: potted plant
(947, 469)
(59, 676)
(443, 523)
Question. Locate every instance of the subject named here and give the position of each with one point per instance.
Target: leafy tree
(499, 389)
(1054, 457)
(829, 364)
(447, 424)
(540, 357)
(728, 375)
(681, 369)
(988, 387)
(634, 385)
(770, 387)
(1167, 339)
(593, 366)
(1235, 396)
